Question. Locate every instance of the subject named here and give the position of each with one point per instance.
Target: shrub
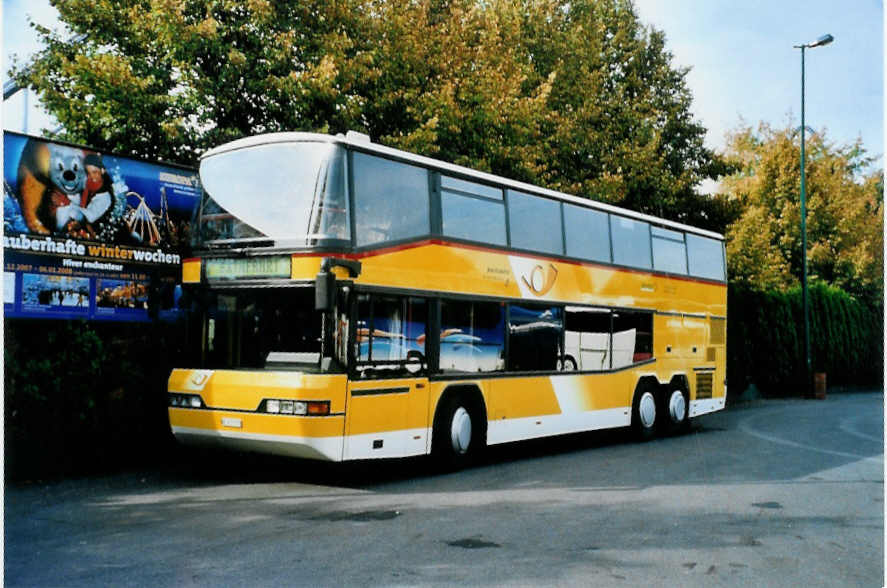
(83, 396)
(765, 339)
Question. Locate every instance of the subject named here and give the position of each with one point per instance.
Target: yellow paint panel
(305, 268)
(522, 397)
(387, 405)
(439, 267)
(693, 335)
(578, 393)
(459, 269)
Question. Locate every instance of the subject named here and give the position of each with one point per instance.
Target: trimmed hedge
(765, 340)
(84, 397)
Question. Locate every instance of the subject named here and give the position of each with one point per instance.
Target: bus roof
(361, 142)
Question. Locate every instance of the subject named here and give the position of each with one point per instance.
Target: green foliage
(844, 213)
(765, 339)
(83, 397)
(577, 96)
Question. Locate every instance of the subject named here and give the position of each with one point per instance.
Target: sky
(743, 67)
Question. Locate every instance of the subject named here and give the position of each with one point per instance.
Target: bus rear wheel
(644, 412)
(458, 437)
(675, 407)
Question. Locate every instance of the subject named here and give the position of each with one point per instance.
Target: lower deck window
(534, 337)
(472, 337)
(587, 339)
(632, 337)
(390, 335)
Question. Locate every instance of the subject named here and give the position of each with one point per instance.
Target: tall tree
(844, 212)
(574, 95)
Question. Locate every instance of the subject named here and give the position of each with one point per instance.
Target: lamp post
(823, 40)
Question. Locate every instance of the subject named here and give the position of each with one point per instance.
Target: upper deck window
(472, 211)
(535, 223)
(631, 242)
(588, 233)
(706, 257)
(390, 200)
(288, 193)
(669, 251)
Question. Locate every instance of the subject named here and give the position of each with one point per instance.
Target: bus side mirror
(325, 291)
(325, 284)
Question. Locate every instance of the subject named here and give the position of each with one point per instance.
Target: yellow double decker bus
(353, 301)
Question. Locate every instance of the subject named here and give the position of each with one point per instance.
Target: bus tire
(675, 407)
(645, 411)
(459, 434)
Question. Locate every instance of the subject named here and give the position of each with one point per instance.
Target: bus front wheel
(458, 436)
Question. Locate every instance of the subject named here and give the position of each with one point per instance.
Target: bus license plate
(230, 422)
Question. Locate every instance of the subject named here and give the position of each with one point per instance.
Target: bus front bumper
(290, 436)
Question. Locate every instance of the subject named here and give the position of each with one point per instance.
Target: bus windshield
(266, 328)
(277, 194)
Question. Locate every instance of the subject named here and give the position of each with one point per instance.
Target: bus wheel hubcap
(460, 431)
(647, 410)
(677, 406)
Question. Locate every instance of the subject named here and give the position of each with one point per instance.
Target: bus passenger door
(386, 418)
(387, 404)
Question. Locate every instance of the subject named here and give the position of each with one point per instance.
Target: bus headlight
(185, 400)
(295, 407)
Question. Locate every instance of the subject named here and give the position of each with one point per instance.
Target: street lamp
(823, 40)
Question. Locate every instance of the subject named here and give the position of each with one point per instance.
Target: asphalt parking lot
(775, 493)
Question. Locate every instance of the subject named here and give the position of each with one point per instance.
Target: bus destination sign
(238, 268)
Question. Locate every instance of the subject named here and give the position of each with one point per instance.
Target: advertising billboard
(91, 235)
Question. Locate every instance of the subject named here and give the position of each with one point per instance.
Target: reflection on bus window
(390, 335)
(706, 257)
(632, 337)
(631, 242)
(472, 336)
(669, 251)
(587, 233)
(273, 328)
(534, 337)
(303, 202)
(535, 223)
(586, 339)
(391, 200)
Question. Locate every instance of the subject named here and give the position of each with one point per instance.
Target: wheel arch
(646, 382)
(680, 380)
(470, 391)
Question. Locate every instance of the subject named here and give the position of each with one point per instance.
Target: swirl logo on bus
(541, 280)
(198, 379)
